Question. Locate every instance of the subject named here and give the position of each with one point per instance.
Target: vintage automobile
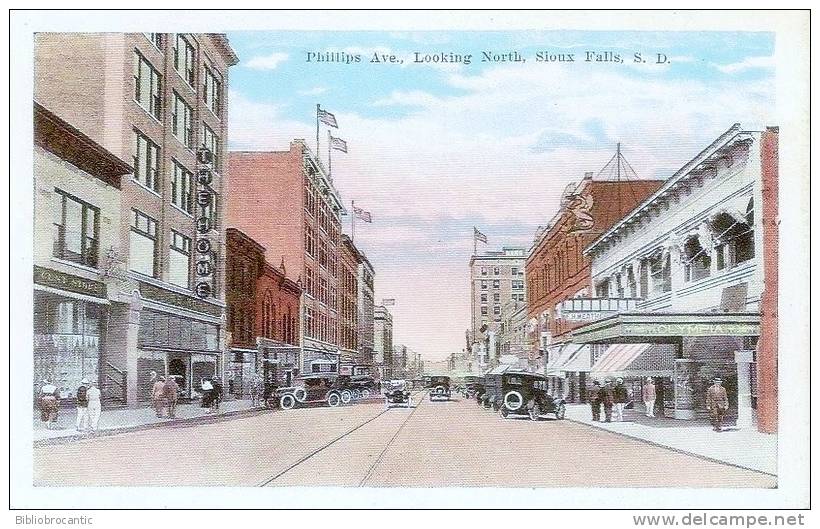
(315, 389)
(360, 386)
(492, 395)
(526, 394)
(397, 392)
(472, 386)
(439, 387)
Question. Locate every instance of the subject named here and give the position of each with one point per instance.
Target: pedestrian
(649, 396)
(607, 397)
(158, 395)
(82, 406)
(621, 397)
(207, 393)
(717, 402)
(256, 390)
(94, 406)
(49, 403)
(594, 396)
(217, 394)
(171, 395)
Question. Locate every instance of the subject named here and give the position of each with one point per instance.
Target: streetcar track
(320, 449)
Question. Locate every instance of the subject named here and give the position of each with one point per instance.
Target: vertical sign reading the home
(205, 261)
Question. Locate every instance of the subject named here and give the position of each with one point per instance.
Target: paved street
(436, 444)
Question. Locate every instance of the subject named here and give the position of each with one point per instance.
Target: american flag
(338, 143)
(362, 214)
(477, 235)
(327, 118)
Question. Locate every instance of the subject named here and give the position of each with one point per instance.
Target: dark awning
(666, 327)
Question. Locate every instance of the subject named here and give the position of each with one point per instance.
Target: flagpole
(353, 221)
(475, 243)
(329, 163)
(317, 130)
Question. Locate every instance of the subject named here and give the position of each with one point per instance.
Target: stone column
(685, 380)
(745, 413)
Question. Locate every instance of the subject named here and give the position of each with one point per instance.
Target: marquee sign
(205, 259)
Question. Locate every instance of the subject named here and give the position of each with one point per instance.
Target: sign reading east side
(70, 283)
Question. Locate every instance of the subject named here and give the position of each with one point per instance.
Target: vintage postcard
(371, 259)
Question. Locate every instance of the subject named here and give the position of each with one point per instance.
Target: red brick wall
(265, 201)
(285, 295)
(767, 345)
(548, 284)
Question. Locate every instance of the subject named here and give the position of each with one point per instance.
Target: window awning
(666, 327)
(322, 361)
(635, 359)
(579, 361)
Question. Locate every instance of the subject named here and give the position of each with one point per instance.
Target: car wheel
(504, 412)
(287, 402)
(535, 412)
(365, 393)
(346, 396)
(300, 394)
(561, 411)
(334, 399)
(357, 394)
(513, 400)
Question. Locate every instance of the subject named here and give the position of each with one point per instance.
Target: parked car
(360, 386)
(492, 395)
(527, 394)
(472, 386)
(397, 392)
(314, 389)
(439, 388)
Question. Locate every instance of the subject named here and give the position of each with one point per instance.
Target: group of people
(614, 399)
(611, 398)
(164, 396)
(212, 393)
(89, 406)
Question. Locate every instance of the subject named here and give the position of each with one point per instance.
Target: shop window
(698, 262)
(142, 244)
(76, 230)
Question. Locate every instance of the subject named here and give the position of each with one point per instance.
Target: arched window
(698, 262)
(735, 237)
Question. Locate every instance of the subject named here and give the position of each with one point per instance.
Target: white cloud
(266, 62)
(748, 63)
(498, 155)
(315, 91)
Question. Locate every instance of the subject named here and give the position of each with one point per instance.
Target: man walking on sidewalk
(607, 397)
(717, 402)
(621, 396)
(82, 406)
(94, 406)
(171, 394)
(594, 396)
(158, 395)
(649, 396)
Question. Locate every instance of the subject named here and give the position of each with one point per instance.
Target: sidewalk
(746, 448)
(130, 419)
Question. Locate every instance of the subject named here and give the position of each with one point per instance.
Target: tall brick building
(156, 100)
(287, 202)
(348, 302)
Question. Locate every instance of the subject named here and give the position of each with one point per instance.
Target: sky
(437, 148)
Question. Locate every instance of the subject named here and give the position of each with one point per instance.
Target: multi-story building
(76, 231)
(512, 335)
(159, 101)
(698, 256)
(286, 201)
(383, 341)
(366, 307)
(496, 278)
(262, 314)
(348, 288)
(558, 270)
(400, 356)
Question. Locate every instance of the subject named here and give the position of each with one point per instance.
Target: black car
(397, 392)
(527, 394)
(360, 386)
(439, 388)
(314, 389)
(493, 394)
(473, 385)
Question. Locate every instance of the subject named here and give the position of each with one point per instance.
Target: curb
(179, 423)
(672, 448)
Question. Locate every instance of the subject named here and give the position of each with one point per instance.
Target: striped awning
(635, 359)
(580, 361)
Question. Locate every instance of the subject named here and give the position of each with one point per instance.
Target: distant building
(366, 307)
(512, 336)
(383, 341)
(348, 291)
(496, 278)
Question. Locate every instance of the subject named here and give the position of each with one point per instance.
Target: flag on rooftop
(338, 143)
(327, 118)
(477, 235)
(362, 214)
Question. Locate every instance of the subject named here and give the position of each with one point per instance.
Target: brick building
(366, 308)
(286, 201)
(383, 341)
(557, 270)
(262, 312)
(157, 100)
(348, 284)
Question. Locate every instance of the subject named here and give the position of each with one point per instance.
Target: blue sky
(437, 149)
